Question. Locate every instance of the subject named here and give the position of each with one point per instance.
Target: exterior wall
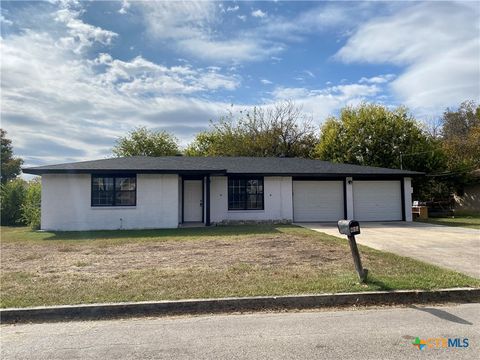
(470, 200)
(408, 190)
(277, 205)
(66, 204)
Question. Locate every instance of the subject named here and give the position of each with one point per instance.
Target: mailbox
(352, 228)
(348, 227)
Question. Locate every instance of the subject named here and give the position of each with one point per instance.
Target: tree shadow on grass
(214, 231)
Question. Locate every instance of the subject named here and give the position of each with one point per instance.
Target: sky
(76, 75)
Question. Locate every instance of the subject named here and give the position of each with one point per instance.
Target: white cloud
(326, 16)
(379, 79)
(266, 82)
(125, 6)
(59, 106)
(233, 8)
(5, 20)
(80, 34)
(178, 19)
(440, 60)
(323, 102)
(194, 27)
(309, 73)
(343, 92)
(214, 81)
(235, 50)
(286, 93)
(191, 28)
(258, 13)
(141, 76)
(445, 81)
(352, 91)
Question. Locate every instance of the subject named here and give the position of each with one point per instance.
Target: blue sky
(76, 75)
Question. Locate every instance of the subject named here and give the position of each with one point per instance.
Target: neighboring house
(469, 199)
(163, 192)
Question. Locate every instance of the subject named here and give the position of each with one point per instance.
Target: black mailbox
(349, 227)
(352, 228)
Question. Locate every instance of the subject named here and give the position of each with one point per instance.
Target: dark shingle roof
(218, 165)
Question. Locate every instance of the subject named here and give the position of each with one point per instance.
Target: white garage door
(377, 200)
(317, 200)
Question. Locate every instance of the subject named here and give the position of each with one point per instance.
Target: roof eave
(40, 171)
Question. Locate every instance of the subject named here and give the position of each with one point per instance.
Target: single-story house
(165, 192)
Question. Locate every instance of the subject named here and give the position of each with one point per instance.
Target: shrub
(12, 195)
(31, 205)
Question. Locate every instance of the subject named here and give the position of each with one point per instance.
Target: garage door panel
(377, 200)
(318, 201)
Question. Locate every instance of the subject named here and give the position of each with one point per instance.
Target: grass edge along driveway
(51, 268)
(466, 220)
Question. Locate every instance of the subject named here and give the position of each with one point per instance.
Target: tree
(12, 197)
(10, 165)
(144, 142)
(460, 141)
(373, 135)
(280, 130)
(31, 205)
(461, 137)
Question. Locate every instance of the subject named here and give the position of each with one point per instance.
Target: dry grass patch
(280, 251)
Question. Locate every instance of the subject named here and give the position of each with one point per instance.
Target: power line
(415, 153)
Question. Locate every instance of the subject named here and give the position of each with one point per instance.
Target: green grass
(117, 237)
(28, 287)
(471, 221)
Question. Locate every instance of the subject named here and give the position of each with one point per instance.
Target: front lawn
(463, 220)
(46, 268)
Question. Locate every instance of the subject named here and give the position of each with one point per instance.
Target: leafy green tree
(460, 139)
(10, 165)
(12, 197)
(280, 130)
(461, 136)
(31, 205)
(374, 135)
(144, 142)
(207, 143)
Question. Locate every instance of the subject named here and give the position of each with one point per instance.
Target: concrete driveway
(451, 247)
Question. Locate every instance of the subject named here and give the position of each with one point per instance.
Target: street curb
(225, 305)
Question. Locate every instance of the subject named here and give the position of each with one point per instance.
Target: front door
(192, 201)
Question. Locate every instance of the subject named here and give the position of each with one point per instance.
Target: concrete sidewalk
(455, 248)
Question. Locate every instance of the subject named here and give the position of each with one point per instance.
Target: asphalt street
(375, 333)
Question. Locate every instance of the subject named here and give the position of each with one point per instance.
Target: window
(114, 190)
(245, 193)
